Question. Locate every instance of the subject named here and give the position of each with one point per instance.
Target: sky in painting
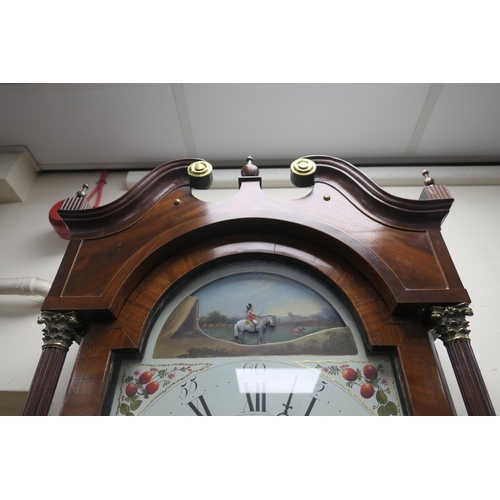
(269, 294)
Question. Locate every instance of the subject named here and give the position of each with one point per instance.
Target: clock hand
(287, 404)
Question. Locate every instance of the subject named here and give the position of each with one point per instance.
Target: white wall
(30, 247)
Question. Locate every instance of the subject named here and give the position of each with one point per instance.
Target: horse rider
(251, 316)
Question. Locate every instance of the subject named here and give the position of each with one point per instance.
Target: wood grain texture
(104, 342)
(404, 264)
(44, 384)
(470, 380)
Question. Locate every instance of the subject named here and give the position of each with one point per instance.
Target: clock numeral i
(313, 399)
(288, 406)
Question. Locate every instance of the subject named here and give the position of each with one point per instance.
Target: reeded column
(59, 333)
(450, 325)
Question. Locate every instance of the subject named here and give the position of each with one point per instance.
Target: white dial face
(258, 387)
(303, 356)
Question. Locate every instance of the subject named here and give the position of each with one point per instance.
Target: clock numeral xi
(190, 387)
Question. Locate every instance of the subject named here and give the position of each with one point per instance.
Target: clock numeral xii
(256, 399)
(259, 404)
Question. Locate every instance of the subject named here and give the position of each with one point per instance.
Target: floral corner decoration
(143, 384)
(368, 382)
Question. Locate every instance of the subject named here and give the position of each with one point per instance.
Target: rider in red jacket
(251, 315)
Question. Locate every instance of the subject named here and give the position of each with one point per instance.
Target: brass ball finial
(250, 169)
(428, 181)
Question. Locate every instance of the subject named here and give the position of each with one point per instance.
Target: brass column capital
(61, 329)
(449, 322)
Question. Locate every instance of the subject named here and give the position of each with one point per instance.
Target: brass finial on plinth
(83, 191)
(433, 191)
(428, 181)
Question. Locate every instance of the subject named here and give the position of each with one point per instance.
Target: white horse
(247, 326)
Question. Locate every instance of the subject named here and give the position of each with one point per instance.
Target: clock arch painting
(304, 355)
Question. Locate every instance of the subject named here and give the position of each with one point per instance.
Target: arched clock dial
(311, 361)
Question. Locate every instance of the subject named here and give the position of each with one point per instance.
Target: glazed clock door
(305, 356)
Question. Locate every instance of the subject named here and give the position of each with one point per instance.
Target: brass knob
(200, 174)
(302, 172)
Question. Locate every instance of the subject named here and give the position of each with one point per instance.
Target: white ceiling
(139, 126)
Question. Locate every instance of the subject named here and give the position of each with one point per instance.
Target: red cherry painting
(152, 387)
(370, 372)
(131, 389)
(367, 391)
(350, 374)
(145, 377)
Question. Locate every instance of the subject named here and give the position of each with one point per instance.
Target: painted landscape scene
(302, 320)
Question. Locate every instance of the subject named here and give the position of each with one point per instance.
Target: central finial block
(250, 170)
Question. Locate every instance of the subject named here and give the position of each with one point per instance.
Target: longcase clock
(324, 305)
